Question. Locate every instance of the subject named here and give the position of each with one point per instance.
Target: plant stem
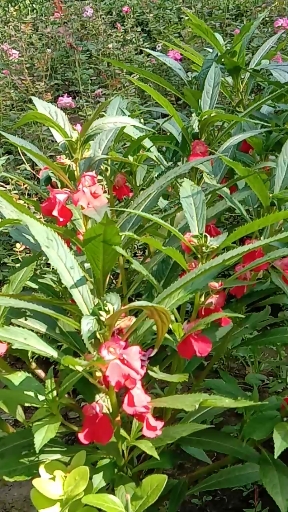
(196, 307)
(69, 425)
(123, 276)
(196, 475)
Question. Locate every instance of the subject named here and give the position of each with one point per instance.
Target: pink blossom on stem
(281, 24)
(277, 58)
(118, 26)
(126, 9)
(6, 72)
(88, 12)
(236, 31)
(77, 127)
(175, 55)
(65, 102)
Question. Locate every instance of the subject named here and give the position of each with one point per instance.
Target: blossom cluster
(123, 368)
(10, 52)
(281, 24)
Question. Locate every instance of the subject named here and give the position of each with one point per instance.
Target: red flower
(89, 194)
(136, 401)
(199, 147)
(194, 156)
(120, 188)
(97, 427)
(217, 300)
(3, 348)
(152, 427)
(282, 264)
(212, 230)
(191, 240)
(239, 291)
(190, 267)
(55, 206)
(194, 344)
(252, 256)
(284, 404)
(246, 147)
(125, 366)
(232, 189)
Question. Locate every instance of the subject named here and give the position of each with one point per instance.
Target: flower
(232, 189)
(212, 230)
(236, 31)
(13, 54)
(88, 12)
(118, 26)
(89, 194)
(77, 127)
(199, 147)
(56, 16)
(97, 427)
(284, 404)
(126, 9)
(98, 93)
(120, 188)
(281, 23)
(65, 102)
(6, 72)
(80, 237)
(245, 147)
(175, 55)
(214, 304)
(252, 256)
(283, 266)
(152, 427)
(3, 348)
(194, 156)
(55, 206)
(216, 286)
(136, 401)
(277, 58)
(194, 344)
(124, 365)
(190, 267)
(189, 237)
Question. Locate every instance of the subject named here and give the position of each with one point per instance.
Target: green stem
(196, 307)
(207, 470)
(69, 425)
(123, 276)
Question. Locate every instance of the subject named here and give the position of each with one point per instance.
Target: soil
(226, 500)
(15, 497)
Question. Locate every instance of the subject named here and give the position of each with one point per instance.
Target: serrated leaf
(148, 492)
(55, 249)
(167, 377)
(235, 476)
(27, 340)
(44, 430)
(269, 338)
(147, 447)
(193, 401)
(260, 425)
(280, 437)
(174, 432)
(169, 251)
(193, 202)
(211, 88)
(274, 475)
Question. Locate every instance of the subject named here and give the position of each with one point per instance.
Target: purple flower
(126, 9)
(88, 12)
(65, 102)
(175, 55)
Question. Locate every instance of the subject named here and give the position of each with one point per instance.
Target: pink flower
(89, 194)
(212, 230)
(216, 285)
(98, 93)
(124, 366)
(282, 264)
(126, 9)
(5, 47)
(77, 127)
(175, 55)
(3, 348)
(217, 300)
(97, 427)
(56, 16)
(277, 58)
(281, 23)
(55, 206)
(13, 54)
(136, 401)
(120, 188)
(118, 26)
(152, 427)
(199, 147)
(6, 72)
(194, 344)
(88, 12)
(65, 102)
(236, 31)
(189, 237)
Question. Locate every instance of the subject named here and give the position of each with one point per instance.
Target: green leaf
(280, 437)
(201, 29)
(235, 476)
(178, 495)
(262, 51)
(44, 430)
(148, 492)
(270, 338)
(98, 244)
(175, 432)
(157, 96)
(76, 481)
(193, 202)
(169, 251)
(211, 88)
(252, 178)
(37, 156)
(174, 65)
(55, 249)
(197, 453)
(78, 460)
(106, 502)
(193, 401)
(27, 340)
(64, 129)
(43, 503)
(167, 377)
(18, 279)
(23, 381)
(255, 225)
(147, 447)
(260, 425)
(274, 475)
(140, 269)
(68, 383)
(281, 176)
(53, 489)
(11, 398)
